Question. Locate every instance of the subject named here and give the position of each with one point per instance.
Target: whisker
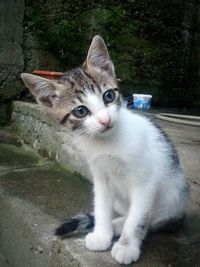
(86, 139)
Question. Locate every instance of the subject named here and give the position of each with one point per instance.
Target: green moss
(11, 155)
(5, 111)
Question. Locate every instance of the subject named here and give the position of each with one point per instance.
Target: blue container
(142, 102)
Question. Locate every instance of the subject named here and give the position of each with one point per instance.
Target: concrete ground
(35, 194)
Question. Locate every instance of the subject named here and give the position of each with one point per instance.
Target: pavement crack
(194, 182)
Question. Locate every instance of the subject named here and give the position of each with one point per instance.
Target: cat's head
(85, 99)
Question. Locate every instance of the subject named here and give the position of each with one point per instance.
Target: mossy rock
(5, 111)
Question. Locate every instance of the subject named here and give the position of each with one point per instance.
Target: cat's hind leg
(169, 209)
(171, 225)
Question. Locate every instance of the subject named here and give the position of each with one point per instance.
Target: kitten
(136, 170)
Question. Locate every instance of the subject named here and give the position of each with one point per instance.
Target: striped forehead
(90, 99)
(79, 79)
(94, 101)
(88, 91)
(83, 88)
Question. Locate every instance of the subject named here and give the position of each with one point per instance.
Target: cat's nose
(105, 122)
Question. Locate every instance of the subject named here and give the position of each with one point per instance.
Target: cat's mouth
(107, 128)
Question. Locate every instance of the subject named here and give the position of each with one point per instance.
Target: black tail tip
(79, 224)
(67, 227)
(59, 231)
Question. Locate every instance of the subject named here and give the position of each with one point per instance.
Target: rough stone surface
(19, 46)
(4, 261)
(11, 40)
(45, 135)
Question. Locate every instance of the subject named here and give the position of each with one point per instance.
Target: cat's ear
(98, 56)
(45, 91)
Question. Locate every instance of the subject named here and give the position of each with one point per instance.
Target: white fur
(133, 176)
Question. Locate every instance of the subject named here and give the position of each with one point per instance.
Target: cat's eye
(80, 112)
(109, 96)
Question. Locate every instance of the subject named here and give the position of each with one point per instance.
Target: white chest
(116, 171)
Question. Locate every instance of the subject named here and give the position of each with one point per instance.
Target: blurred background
(154, 44)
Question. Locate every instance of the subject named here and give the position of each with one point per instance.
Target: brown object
(51, 75)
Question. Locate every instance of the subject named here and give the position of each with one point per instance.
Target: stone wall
(37, 129)
(11, 40)
(20, 50)
(11, 52)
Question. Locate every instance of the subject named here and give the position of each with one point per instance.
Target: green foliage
(150, 42)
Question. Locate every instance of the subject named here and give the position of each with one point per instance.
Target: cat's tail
(82, 223)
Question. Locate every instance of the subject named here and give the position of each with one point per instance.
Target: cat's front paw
(97, 242)
(125, 253)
